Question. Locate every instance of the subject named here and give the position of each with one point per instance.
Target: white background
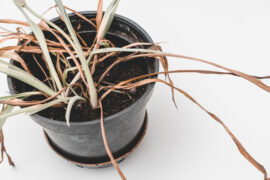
(185, 144)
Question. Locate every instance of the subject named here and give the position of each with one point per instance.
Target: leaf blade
(42, 43)
(69, 107)
(7, 109)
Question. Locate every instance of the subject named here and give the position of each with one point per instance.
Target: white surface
(185, 144)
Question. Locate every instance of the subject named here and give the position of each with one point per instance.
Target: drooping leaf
(69, 107)
(25, 77)
(20, 95)
(31, 109)
(153, 53)
(240, 147)
(7, 109)
(14, 56)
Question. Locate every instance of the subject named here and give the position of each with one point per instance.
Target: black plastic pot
(82, 142)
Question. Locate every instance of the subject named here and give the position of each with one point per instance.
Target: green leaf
(108, 50)
(104, 27)
(30, 110)
(50, 23)
(43, 106)
(7, 109)
(73, 91)
(20, 95)
(92, 89)
(69, 107)
(42, 42)
(107, 19)
(25, 77)
(65, 73)
(105, 24)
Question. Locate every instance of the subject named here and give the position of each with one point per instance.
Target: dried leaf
(99, 14)
(15, 57)
(106, 144)
(3, 149)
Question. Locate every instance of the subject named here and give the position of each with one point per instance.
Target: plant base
(91, 163)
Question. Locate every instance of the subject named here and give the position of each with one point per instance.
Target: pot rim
(148, 90)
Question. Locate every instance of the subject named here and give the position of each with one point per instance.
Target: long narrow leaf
(69, 107)
(14, 56)
(116, 49)
(42, 42)
(65, 73)
(105, 24)
(153, 53)
(107, 19)
(30, 110)
(102, 30)
(25, 77)
(20, 95)
(38, 108)
(7, 109)
(91, 84)
(99, 13)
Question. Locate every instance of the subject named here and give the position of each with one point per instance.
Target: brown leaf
(99, 14)
(106, 144)
(242, 150)
(14, 56)
(12, 21)
(81, 16)
(68, 50)
(3, 149)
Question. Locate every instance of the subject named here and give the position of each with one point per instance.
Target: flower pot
(82, 143)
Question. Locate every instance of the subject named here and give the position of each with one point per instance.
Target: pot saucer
(101, 162)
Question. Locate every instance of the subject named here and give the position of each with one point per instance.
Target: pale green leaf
(20, 95)
(42, 42)
(107, 19)
(69, 107)
(25, 77)
(78, 49)
(31, 109)
(7, 109)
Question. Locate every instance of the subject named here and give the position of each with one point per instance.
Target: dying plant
(68, 64)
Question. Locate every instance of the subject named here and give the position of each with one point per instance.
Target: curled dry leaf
(14, 56)
(128, 85)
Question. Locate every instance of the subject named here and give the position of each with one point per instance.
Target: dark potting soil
(113, 103)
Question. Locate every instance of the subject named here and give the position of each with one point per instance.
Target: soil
(112, 104)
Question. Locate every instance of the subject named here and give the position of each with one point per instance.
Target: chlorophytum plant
(69, 56)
